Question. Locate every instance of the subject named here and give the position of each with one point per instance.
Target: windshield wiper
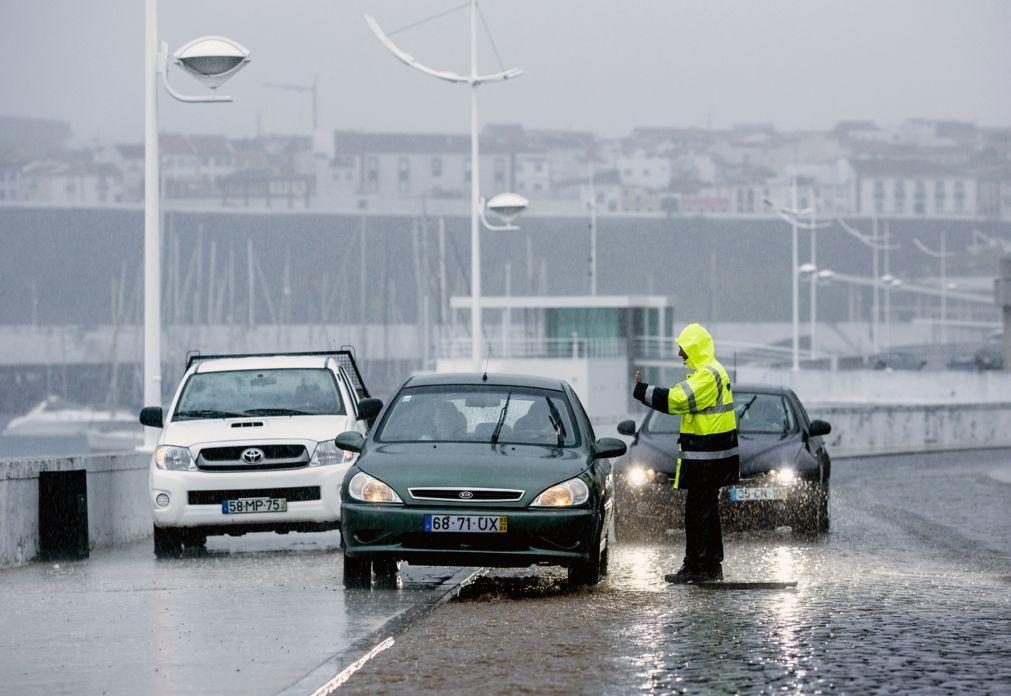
(207, 413)
(501, 419)
(556, 422)
(276, 412)
(747, 406)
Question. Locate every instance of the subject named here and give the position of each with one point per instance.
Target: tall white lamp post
(876, 243)
(792, 215)
(942, 255)
(518, 203)
(212, 60)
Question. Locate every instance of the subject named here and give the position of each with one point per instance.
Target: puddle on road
(857, 615)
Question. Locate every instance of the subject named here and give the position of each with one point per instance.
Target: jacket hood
(697, 344)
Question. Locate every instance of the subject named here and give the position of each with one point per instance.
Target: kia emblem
(466, 495)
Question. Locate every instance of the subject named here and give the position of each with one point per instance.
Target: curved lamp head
(212, 59)
(508, 206)
(806, 269)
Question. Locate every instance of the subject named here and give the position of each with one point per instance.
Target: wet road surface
(253, 615)
(910, 592)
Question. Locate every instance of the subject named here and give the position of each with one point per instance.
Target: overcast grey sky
(607, 66)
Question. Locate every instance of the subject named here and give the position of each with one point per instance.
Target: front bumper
(554, 537)
(209, 488)
(660, 502)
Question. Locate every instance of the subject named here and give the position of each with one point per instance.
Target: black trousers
(703, 535)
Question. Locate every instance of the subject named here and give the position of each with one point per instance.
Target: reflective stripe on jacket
(705, 402)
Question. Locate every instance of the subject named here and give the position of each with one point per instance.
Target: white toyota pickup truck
(247, 445)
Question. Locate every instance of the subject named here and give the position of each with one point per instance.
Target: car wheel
(357, 573)
(811, 518)
(386, 573)
(591, 571)
(195, 540)
(168, 543)
(824, 515)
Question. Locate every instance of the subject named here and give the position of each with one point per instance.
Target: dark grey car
(785, 469)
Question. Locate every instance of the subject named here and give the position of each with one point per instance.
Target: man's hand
(638, 377)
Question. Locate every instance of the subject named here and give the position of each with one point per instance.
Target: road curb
(329, 676)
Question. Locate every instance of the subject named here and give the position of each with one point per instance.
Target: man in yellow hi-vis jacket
(707, 447)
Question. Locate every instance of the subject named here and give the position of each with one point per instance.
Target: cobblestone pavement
(911, 592)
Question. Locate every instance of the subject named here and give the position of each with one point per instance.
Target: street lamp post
(212, 60)
(476, 210)
(876, 244)
(942, 255)
(792, 215)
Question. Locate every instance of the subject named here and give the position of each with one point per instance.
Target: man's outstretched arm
(682, 398)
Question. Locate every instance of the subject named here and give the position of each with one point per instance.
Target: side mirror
(607, 447)
(152, 416)
(369, 408)
(627, 427)
(350, 441)
(819, 428)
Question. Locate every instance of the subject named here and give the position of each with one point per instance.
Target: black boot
(687, 575)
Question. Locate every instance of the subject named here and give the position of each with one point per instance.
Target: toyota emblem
(252, 455)
(466, 495)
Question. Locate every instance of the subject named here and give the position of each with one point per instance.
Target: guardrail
(61, 507)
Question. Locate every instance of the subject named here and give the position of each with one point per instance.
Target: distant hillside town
(923, 168)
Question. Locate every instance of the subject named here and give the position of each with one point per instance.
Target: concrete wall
(859, 429)
(119, 508)
(878, 386)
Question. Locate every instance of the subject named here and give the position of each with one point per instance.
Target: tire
(592, 571)
(811, 519)
(195, 541)
(168, 543)
(357, 573)
(386, 573)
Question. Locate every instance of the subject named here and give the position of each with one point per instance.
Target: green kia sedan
(478, 470)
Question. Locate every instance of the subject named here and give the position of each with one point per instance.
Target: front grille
(482, 495)
(275, 458)
(234, 453)
(292, 495)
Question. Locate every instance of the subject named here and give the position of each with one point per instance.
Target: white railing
(460, 348)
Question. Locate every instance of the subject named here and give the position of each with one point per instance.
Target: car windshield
(242, 393)
(499, 414)
(663, 423)
(764, 414)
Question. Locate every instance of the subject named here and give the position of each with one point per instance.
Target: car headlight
(328, 453)
(786, 476)
(639, 476)
(174, 458)
(566, 494)
(371, 490)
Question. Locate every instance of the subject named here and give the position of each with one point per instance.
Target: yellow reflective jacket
(705, 401)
